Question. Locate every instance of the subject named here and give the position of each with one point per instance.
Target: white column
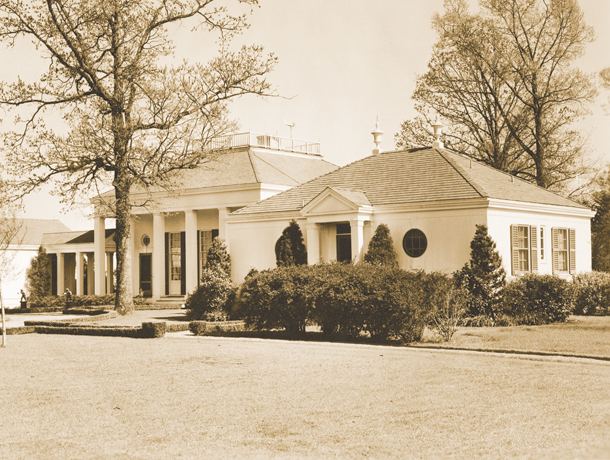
(190, 228)
(109, 272)
(79, 273)
(357, 230)
(222, 225)
(60, 274)
(158, 255)
(99, 248)
(313, 243)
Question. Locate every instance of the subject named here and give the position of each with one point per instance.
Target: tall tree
(9, 234)
(600, 226)
(510, 70)
(132, 117)
(455, 88)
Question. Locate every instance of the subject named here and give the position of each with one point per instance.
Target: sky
(341, 63)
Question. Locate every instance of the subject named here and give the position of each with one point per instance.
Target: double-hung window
(564, 250)
(524, 249)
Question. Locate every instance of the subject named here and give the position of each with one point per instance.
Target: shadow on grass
(306, 337)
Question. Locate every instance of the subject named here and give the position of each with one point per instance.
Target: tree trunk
(3, 313)
(123, 301)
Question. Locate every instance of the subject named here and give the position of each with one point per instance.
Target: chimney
(377, 133)
(438, 131)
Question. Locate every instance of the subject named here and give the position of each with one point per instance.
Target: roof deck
(249, 139)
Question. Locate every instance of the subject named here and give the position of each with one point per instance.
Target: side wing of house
(541, 239)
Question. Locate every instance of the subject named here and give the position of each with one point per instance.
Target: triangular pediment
(334, 200)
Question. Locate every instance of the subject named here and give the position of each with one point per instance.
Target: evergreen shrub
(483, 276)
(290, 247)
(538, 299)
(592, 293)
(381, 248)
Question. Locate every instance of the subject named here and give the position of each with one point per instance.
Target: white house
(18, 255)
(431, 199)
(172, 232)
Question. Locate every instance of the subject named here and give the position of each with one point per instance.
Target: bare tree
(456, 88)
(131, 118)
(9, 234)
(504, 78)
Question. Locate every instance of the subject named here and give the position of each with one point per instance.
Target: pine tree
(381, 248)
(39, 274)
(483, 276)
(290, 247)
(218, 258)
(600, 226)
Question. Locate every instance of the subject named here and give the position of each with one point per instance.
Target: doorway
(146, 275)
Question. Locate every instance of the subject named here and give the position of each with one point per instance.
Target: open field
(585, 335)
(76, 397)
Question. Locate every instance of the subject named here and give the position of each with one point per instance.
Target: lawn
(75, 396)
(585, 335)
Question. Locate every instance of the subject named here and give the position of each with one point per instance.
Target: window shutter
(533, 248)
(167, 265)
(183, 263)
(572, 243)
(513, 249)
(555, 256)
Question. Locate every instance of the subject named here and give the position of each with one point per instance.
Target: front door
(146, 275)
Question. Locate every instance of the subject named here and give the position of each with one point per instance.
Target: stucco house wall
(500, 221)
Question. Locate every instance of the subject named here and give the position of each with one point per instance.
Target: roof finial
(377, 133)
(437, 126)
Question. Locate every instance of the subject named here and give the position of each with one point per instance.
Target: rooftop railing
(248, 139)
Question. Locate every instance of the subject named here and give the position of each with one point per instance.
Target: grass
(585, 335)
(73, 396)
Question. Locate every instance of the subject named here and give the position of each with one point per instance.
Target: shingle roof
(253, 165)
(73, 237)
(411, 177)
(31, 230)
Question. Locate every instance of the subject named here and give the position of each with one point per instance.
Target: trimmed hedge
(60, 302)
(146, 331)
(216, 327)
(538, 299)
(592, 293)
(345, 300)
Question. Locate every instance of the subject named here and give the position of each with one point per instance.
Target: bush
(449, 312)
(290, 247)
(39, 275)
(152, 330)
(278, 298)
(51, 302)
(592, 293)
(212, 299)
(344, 299)
(483, 276)
(381, 248)
(90, 300)
(538, 299)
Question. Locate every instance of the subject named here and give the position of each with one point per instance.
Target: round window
(414, 242)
